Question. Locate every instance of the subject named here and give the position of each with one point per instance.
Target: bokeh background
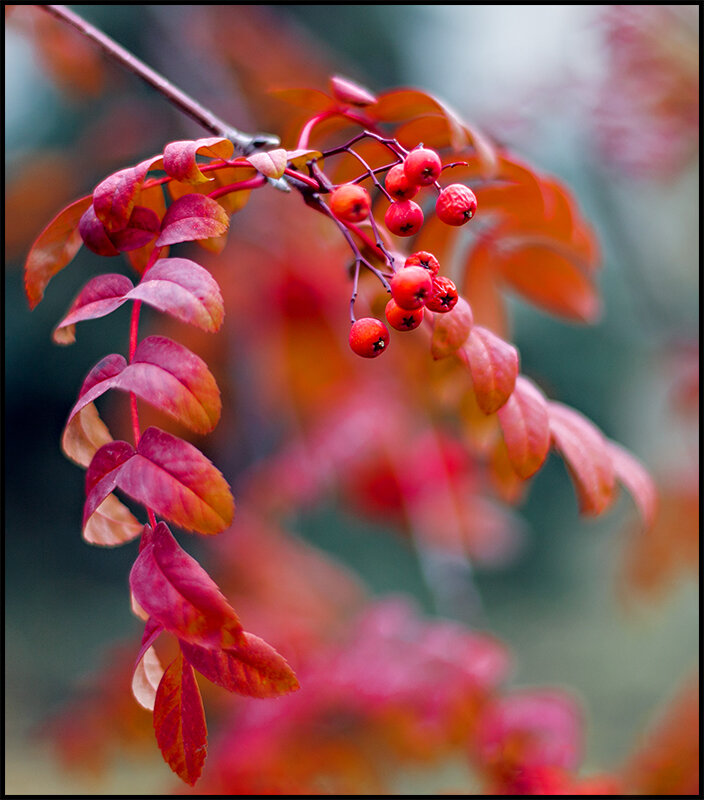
(588, 93)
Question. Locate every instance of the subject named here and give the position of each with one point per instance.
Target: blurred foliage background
(555, 83)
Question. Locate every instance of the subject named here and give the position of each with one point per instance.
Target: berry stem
(244, 142)
(251, 183)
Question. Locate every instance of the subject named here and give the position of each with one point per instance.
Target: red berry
(422, 166)
(398, 185)
(456, 204)
(411, 286)
(403, 319)
(443, 295)
(350, 203)
(423, 259)
(369, 337)
(404, 218)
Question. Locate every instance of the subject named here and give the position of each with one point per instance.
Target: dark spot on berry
(407, 227)
(379, 344)
(407, 322)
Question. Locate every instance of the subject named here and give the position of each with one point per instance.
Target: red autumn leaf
(299, 158)
(526, 427)
(98, 297)
(587, 456)
(184, 289)
(308, 99)
(179, 595)
(166, 474)
(179, 721)
(191, 217)
(493, 364)
(114, 198)
(251, 667)
(482, 290)
(94, 234)
(149, 197)
(165, 374)
(633, 475)
(111, 524)
(83, 435)
(450, 330)
(142, 227)
(271, 164)
(346, 91)
(180, 157)
(53, 249)
(551, 281)
(148, 670)
(223, 176)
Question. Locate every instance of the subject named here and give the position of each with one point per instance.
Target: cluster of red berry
(417, 285)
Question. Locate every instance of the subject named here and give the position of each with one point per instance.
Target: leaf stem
(246, 143)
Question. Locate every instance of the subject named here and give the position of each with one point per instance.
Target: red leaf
(95, 236)
(179, 721)
(142, 227)
(346, 91)
(586, 453)
(309, 99)
(179, 595)
(114, 198)
(83, 435)
(53, 249)
(111, 524)
(252, 667)
(180, 157)
(450, 330)
(98, 297)
(636, 479)
(148, 671)
(166, 474)
(271, 164)
(192, 216)
(184, 289)
(551, 281)
(493, 364)
(526, 427)
(165, 374)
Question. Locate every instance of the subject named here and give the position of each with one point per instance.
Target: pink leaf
(183, 289)
(98, 297)
(526, 427)
(179, 721)
(192, 216)
(251, 667)
(493, 364)
(450, 330)
(102, 474)
(271, 164)
(636, 479)
(165, 374)
(83, 435)
(180, 157)
(114, 198)
(586, 453)
(53, 249)
(179, 595)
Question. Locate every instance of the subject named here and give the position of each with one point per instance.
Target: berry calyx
(369, 337)
(401, 318)
(404, 218)
(443, 295)
(398, 185)
(456, 204)
(423, 259)
(422, 166)
(350, 203)
(411, 286)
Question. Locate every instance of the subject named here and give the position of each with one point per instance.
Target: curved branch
(245, 143)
